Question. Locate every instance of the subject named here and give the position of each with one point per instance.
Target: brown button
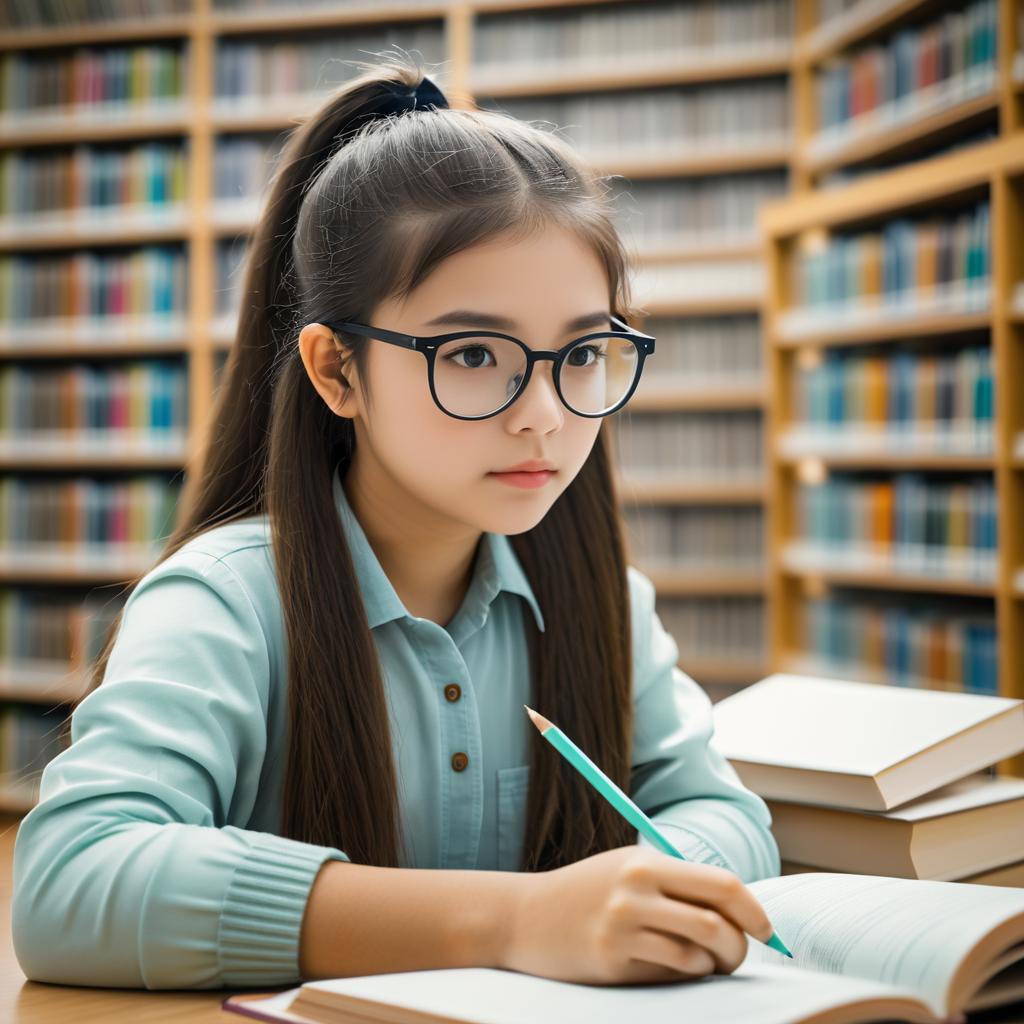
(459, 761)
(453, 692)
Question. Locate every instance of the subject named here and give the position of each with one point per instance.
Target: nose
(538, 405)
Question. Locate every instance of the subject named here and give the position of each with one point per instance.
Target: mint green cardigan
(151, 859)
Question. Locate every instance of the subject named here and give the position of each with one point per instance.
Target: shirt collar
(496, 569)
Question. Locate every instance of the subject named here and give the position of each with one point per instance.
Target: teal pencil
(619, 800)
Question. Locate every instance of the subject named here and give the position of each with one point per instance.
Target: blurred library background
(823, 468)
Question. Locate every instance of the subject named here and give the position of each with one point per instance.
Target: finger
(711, 886)
(669, 951)
(702, 926)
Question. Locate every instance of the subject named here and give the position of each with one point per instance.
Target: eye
(584, 351)
(473, 362)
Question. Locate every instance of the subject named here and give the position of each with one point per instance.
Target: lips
(532, 466)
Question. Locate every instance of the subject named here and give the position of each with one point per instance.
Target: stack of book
(881, 780)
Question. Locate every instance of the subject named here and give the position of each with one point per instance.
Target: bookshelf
(218, 133)
(893, 344)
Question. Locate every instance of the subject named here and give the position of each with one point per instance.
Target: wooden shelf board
(710, 396)
(722, 670)
(711, 306)
(893, 460)
(665, 490)
(88, 130)
(931, 326)
(887, 581)
(901, 138)
(907, 187)
(628, 73)
(681, 580)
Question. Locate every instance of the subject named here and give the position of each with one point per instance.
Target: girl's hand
(631, 914)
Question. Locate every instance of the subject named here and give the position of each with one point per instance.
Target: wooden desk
(30, 1002)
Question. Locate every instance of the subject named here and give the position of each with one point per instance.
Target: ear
(328, 363)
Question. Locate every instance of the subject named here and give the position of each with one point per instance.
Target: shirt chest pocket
(513, 788)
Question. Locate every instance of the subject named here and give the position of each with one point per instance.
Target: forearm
(362, 919)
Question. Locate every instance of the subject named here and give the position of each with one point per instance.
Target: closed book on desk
(865, 948)
(965, 827)
(860, 745)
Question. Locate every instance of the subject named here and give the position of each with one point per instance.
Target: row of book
(700, 349)
(730, 628)
(944, 397)
(242, 165)
(901, 644)
(149, 279)
(30, 737)
(45, 633)
(695, 211)
(88, 511)
(946, 60)
(35, 184)
(940, 261)
(262, 72)
(908, 522)
(32, 14)
(684, 537)
(667, 121)
(706, 445)
(683, 30)
(90, 80)
(148, 398)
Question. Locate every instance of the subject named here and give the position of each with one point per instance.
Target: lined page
(907, 932)
(754, 993)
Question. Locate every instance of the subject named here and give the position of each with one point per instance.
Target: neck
(427, 557)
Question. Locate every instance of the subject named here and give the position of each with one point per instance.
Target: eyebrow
(471, 318)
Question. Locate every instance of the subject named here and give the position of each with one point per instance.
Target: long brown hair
(359, 210)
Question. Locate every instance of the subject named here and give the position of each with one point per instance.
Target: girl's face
(408, 448)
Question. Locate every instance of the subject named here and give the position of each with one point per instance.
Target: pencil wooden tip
(538, 719)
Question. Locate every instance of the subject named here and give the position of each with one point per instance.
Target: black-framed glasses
(474, 375)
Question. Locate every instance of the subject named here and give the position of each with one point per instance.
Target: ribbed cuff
(261, 920)
(689, 844)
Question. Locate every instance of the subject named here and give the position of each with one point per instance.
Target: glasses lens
(598, 373)
(477, 376)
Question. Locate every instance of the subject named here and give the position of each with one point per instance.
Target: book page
(912, 933)
(754, 994)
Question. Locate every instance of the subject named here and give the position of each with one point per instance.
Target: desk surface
(30, 1002)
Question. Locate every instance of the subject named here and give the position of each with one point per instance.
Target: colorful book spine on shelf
(730, 629)
(150, 176)
(917, 70)
(922, 401)
(149, 280)
(43, 635)
(84, 511)
(511, 42)
(705, 445)
(935, 264)
(142, 398)
(901, 644)
(904, 524)
(665, 537)
(90, 79)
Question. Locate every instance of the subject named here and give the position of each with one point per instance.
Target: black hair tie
(400, 99)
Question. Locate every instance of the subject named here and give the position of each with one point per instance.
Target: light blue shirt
(152, 860)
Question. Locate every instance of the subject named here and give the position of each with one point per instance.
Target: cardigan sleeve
(132, 869)
(679, 778)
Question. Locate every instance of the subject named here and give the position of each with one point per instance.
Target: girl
(309, 755)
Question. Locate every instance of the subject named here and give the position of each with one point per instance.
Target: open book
(865, 948)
